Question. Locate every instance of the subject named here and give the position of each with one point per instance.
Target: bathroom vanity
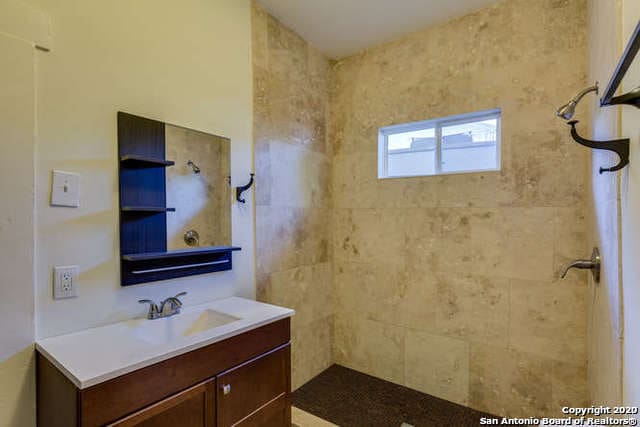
(225, 363)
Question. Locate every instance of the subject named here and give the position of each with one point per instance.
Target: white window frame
(437, 125)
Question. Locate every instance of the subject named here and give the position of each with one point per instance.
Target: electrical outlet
(65, 282)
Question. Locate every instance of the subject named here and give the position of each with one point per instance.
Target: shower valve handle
(592, 264)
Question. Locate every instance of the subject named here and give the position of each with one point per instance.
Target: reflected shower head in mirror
(569, 109)
(194, 167)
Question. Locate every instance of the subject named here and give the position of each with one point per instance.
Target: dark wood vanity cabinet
(241, 381)
(255, 393)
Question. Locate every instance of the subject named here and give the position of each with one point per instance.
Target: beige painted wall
(614, 332)
(449, 284)
(20, 28)
(605, 309)
(17, 113)
(293, 189)
(186, 63)
(631, 223)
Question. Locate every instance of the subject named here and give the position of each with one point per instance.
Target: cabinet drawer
(254, 386)
(193, 407)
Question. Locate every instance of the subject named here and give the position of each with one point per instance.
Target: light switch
(65, 189)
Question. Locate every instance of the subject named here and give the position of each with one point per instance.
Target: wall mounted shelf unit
(149, 267)
(143, 211)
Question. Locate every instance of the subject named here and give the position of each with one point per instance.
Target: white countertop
(96, 355)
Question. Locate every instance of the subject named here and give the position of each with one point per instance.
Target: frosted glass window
(458, 144)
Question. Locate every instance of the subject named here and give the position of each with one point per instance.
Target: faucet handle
(177, 301)
(593, 264)
(153, 308)
(582, 264)
(173, 304)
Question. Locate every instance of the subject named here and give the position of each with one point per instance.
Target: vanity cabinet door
(194, 407)
(256, 393)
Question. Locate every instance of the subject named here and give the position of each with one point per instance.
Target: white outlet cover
(65, 189)
(65, 282)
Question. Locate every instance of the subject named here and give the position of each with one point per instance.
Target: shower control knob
(594, 264)
(192, 238)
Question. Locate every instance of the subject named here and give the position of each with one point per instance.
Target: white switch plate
(65, 282)
(65, 189)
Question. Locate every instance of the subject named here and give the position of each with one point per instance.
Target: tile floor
(344, 397)
(300, 418)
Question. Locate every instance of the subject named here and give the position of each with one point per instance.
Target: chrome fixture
(618, 146)
(169, 307)
(592, 264)
(192, 238)
(194, 167)
(569, 109)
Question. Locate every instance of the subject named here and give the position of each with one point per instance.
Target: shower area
(447, 286)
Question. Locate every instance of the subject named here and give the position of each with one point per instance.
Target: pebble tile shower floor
(352, 399)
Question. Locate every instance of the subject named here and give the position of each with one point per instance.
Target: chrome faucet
(169, 307)
(592, 264)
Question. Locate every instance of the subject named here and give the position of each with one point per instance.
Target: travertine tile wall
(449, 284)
(293, 188)
(445, 284)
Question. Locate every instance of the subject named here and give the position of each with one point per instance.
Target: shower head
(194, 167)
(569, 109)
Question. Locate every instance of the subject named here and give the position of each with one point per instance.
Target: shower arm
(583, 92)
(568, 110)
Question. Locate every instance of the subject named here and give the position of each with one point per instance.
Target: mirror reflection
(198, 187)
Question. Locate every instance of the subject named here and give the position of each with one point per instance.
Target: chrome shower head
(194, 167)
(569, 109)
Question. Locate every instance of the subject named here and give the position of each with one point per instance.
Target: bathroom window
(456, 144)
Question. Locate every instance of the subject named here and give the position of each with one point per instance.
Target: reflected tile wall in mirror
(200, 192)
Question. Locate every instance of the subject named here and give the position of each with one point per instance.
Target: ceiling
(342, 27)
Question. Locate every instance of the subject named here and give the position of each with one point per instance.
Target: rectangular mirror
(175, 201)
(197, 185)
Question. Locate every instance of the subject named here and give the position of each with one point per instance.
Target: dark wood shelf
(180, 253)
(144, 161)
(156, 266)
(629, 98)
(146, 209)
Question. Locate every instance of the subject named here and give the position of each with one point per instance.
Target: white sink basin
(165, 330)
(93, 356)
